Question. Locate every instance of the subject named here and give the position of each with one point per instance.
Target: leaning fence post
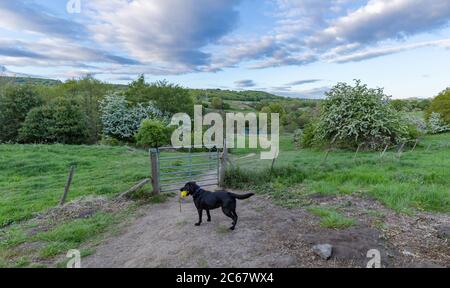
(400, 151)
(68, 183)
(326, 155)
(223, 164)
(384, 151)
(415, 145)
(357, 151)
(273, 163)
(155, 171)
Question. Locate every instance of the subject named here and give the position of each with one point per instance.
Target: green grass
(70, 235)
(330, 218)
(54, 241)
(419, 180)
(32, 177)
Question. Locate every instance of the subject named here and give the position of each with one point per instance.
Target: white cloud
(169, 33)
(378, 52)
(380, 20)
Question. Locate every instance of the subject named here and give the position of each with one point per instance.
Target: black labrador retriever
(205, 200)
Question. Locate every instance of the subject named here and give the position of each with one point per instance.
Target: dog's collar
(197, 191)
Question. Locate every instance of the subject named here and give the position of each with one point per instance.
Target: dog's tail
(242, 197)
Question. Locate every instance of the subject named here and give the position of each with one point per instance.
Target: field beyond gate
(175, 169)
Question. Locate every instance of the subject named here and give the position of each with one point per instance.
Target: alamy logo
(239, 127)
(74, 259)
(375, 258)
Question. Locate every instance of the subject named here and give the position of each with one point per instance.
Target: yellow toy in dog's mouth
(184, 194)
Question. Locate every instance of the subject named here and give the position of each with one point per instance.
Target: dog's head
(190, 187)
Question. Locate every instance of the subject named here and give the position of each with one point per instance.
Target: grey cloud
(316, 93)
(172, 35)
(59, 53)
(303, 82)
(245, 83)
(18, 52)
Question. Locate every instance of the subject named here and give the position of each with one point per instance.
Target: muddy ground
(272, 236)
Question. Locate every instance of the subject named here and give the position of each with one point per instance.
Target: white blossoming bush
(352, 115)
(122, 121)
(436, 124)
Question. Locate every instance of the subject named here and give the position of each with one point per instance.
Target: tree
(121, 120)
(352, 115)
(441, 105)
(217, 103)
(274, 108)
(153, 133)
(61, 121)
(168, 98)
(89, 92)
(15, 103)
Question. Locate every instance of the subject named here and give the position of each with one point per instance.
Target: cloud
(380, 20)
(303, 82)
(131, 37)
(383, 51)
(27, 16)
(19, 52)
(315, 93)
(309, 31)
(245, 83)
(55, 52)
(170, 33)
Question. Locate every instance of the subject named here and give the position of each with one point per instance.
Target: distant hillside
(249, 96)
(28, 80)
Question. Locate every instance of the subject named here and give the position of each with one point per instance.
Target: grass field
(418, 180)
(32, 179)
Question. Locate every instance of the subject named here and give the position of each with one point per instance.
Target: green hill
(250, 96)
(26, 80)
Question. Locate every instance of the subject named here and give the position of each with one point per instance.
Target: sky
(295, 48)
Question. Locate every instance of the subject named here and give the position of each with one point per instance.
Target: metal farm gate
(172, 169)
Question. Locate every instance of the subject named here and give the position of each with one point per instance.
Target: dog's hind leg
(235, 219)
(209, 215)
(229, 213)
(200, 215)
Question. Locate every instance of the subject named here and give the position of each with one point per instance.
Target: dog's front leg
(200, 215)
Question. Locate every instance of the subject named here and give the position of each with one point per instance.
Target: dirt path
(164, 237)
(267, 236)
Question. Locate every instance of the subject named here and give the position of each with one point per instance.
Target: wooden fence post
(415, 145)
(400, 151)
(384, 151)
(326, 155)
(155, 171)
(223, 164)
(357, 151)
(68, 183)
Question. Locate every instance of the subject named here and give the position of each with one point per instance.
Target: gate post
(155, 170)
(223, 164)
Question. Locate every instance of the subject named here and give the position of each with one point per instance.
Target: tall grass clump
(239, 178)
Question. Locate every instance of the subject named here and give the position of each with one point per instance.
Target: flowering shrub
(122, 121)
(357, 114)
(436, 124)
